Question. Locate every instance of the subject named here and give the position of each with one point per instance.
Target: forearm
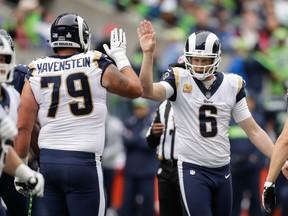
(146, 74)
(153, 141)
(263, 142)
(12, 161)
(22, 143)
(279, 157)
(134, 81)
(27, 116)
(258, 136)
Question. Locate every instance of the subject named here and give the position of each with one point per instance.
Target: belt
(172, 163)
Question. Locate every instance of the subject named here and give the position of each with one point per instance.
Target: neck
(209, 81)
(67, 51)
(210, 78)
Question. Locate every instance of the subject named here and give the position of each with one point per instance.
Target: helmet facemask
(6, 67)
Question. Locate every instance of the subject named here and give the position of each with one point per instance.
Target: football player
(10, 163)
(19, 73)
(18, 80)
(67, 92)
(204, 100)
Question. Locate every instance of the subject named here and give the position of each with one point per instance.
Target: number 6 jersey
(203, 139)
(70, 97)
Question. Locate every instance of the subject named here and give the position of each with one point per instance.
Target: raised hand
(147, 36)
(117, 50)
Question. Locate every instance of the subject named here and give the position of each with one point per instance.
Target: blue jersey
(18, 81)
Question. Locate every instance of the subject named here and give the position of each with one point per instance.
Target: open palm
(147, 36)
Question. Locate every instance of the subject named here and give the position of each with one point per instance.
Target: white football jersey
(203, 115)
(72, 101)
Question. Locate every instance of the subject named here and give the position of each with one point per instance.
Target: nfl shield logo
(208, 94)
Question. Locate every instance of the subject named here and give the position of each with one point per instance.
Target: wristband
(24, 160)
(269, 184)
(122, 62)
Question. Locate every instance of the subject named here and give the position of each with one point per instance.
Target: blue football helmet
(202, 44)
(70, 30)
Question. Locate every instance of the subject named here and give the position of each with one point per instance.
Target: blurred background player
(113, 157)
(141, 163)
(17, 82)
(10, 100)
(161, 135)
(16, 203)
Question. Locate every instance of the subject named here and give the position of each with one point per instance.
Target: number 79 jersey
(72, 101)
(202, 115)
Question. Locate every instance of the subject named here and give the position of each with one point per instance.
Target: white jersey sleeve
(241, 111)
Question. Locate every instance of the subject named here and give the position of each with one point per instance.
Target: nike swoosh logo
(227, 176)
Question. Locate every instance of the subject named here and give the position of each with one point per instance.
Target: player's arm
(262, 142)
(147, 39)
(257, 136)
(13, 166)
(255, 133)
(279, 155)
(124, 82)
(12, 161)
(155, 131)
(27, 115)
(278, 159)
(121, 80)
(34, 140)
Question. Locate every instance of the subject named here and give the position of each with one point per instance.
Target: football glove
(269, 197)
(8, 128)
(117, 49)
(28, 182)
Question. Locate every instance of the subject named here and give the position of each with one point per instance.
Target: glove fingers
(112, 37)
(120, 35)
(39, 187)
(106, 48)
(124, 38)
(116, 37)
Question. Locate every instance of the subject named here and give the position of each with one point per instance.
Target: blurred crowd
(253, 34)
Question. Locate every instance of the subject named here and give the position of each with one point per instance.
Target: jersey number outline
(208, 119)
(74, 92)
